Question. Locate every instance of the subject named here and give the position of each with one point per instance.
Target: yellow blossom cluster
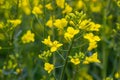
(28, 37)
(48, 67)
(37, 10)
(92, 40)
(60, 23)
(67, 9)
(75, 61)
(71, 32)
(53, 45)
(15, 22)
(89, 25)
(60, 3)
(91, 59)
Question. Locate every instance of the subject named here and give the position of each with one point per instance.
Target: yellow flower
(25, 5)
(1, 25)
(28, 37)
(48, 67)
(18, 70)
(67, 9)
(47, 41)
(80, 4)
(94, 27)
(117, 75)
(15, 22)
(96, 7)
(91, 37)
(60, 3)
(71, 32)
(75, 61)
(49, 6)
(60, 23)
(49, 23)
(118, 3)
(37, 10)
(55, 45)
(92, 45)
(91, 59)
(83, 24)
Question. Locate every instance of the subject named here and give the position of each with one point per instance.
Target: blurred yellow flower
(48, 67)
(25, 5)
(53, 45)
(118, 3)
(49, 6)
(79, 4)
(117, 75)
(37, 10)
(94, 27)
(91, 37)
(49, 23)
(84, 24)
(75, 61)
(60, 23)
(71, 32)
(47, 41)
(60, 3)
(1, 25)
(91, 59)
(92, 45)
(67, 9)
(15, 22)
(28, 37)
(96, 7)
(18, 70)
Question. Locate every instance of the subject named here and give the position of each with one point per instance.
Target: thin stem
(66, 60)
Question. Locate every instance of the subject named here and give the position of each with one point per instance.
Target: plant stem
(65, 63)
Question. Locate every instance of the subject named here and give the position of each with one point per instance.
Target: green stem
(105, 54)
(65, 63)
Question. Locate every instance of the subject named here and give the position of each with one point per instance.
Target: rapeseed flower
(49, 23)
(28, 37)
(79, 4)
(96, 7)
(71, 32)
(67, 9)
(60, 3)
(92, 45)
(60, 23)
(47, 41)
(53, 45)
(75, 61)
(1, 25)
(117, 75)
(48, 67)
(15, 22)
(49, 6)
(91, 37)
(37, 10)
(91, 59)
(25, 5)
(94, 27)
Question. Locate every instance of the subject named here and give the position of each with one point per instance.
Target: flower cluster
(53, 45)
(48, 67)
(92, 40)
(28, 37)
